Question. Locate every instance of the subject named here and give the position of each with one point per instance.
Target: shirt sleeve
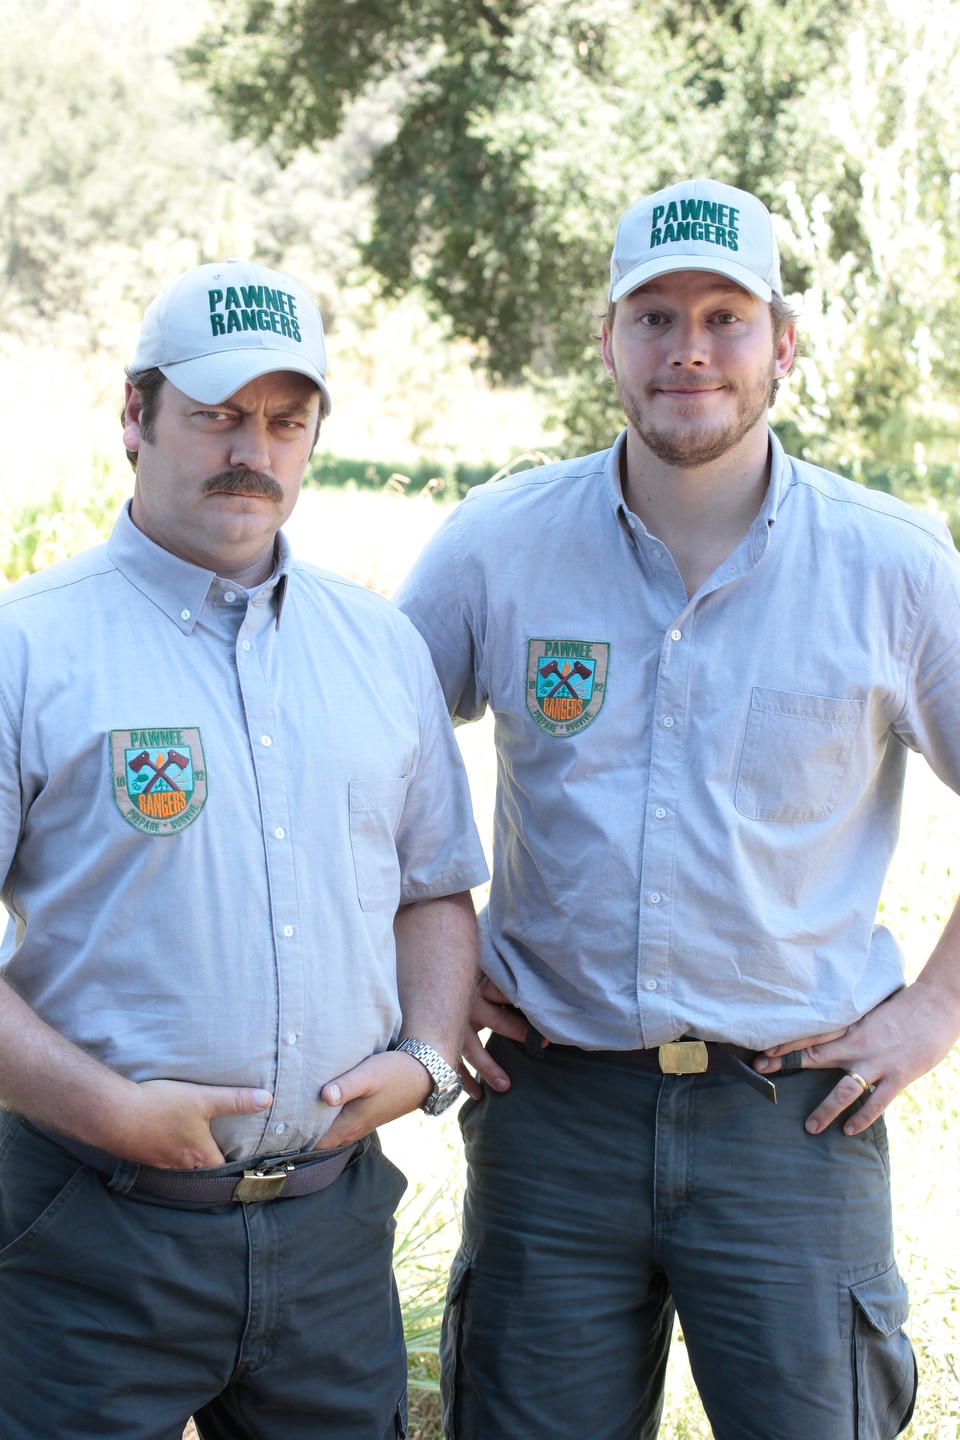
(437, 841)
(444, 597)
(930, 717)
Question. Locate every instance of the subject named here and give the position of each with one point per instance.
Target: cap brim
(650, 269)
(211, 379)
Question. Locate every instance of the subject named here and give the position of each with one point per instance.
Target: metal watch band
(446, 1082)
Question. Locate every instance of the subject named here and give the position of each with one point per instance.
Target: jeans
(120, 1317)
(600, 1197)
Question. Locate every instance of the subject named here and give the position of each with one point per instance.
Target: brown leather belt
(684, 1057)
(282, 1177)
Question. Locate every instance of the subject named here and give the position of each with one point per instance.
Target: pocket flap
(883, 1300)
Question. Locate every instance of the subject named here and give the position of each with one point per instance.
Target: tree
(525, 130)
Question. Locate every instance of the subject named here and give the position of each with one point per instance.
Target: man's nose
(250, 449)
(690, 345)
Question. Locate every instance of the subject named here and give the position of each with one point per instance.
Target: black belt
(682, 1057)
(281, 1177)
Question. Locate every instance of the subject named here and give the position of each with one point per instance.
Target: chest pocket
(795, 752)
(375, 810)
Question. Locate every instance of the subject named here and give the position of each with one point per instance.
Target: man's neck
(700, 514)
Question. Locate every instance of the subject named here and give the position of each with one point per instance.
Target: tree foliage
(115, 174)
(525, 127)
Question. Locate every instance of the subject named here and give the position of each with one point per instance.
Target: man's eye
(652, 319)
(726, 318)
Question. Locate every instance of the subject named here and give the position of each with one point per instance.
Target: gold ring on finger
(864, 1084)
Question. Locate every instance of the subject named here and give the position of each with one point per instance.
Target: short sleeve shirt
(212, 804)
(697, 797)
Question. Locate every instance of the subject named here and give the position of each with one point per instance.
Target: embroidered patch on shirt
(159, 777)
(566, 683)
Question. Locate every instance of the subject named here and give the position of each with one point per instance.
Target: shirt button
(291, 1039)
(288, 931)
(280, 1128)
(229, 596)
(184, 614)
(649, 984)
(676, 634)
(246, 645)
(268, 740)
(658, 554)
(279, 832)
(655, 897)
(660, 812)
(668, 722)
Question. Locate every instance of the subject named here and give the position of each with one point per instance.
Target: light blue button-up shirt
(697, 798)
(211, 804)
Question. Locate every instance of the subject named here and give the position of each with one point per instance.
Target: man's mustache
(242, 482)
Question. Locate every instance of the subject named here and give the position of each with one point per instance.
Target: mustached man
(237, 850)
(707, 662)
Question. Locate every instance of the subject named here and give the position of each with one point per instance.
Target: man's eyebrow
(296, 407)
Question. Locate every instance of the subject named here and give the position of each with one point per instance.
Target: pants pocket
(451, 1335)
(37, 1182)
(884, 1367)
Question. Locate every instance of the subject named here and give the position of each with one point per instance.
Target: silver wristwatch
(446, 1082)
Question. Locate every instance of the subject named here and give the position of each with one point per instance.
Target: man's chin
(688, 452)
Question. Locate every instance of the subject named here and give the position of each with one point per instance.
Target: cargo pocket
(451, 1336)
(375, 810)
(401, 1420)
(884, 1368)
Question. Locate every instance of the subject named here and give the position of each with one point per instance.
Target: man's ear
(605, 343)
(786, 350)
(133, 406)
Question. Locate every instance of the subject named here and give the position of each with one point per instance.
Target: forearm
(48, 1079)
(942, 971)
(156, 1122)
(888, 1047)
(436, 970)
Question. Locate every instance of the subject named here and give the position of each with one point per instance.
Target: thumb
(239, 1100)
(349, 1086)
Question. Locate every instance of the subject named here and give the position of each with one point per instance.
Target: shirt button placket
(254, 659)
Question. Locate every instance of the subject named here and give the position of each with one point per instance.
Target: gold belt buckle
(259, 1185)
(683, 1057)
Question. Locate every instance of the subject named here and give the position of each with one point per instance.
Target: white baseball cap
(697, 225)
(219, 326)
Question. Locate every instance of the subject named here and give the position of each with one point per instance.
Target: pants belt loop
(533, 1043)
(124, 1177)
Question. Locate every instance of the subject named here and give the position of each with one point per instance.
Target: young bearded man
(707, 662)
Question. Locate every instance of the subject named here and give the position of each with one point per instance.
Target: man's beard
(243, 482)
(688, 446)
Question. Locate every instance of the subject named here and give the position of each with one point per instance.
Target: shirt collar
(780, 476)
(174, 585)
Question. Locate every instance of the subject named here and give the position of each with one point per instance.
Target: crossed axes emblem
(160, 771)
(554, 669)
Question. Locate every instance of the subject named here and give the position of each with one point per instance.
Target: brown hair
(148, 384)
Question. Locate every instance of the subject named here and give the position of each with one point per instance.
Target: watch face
(446, 1097)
